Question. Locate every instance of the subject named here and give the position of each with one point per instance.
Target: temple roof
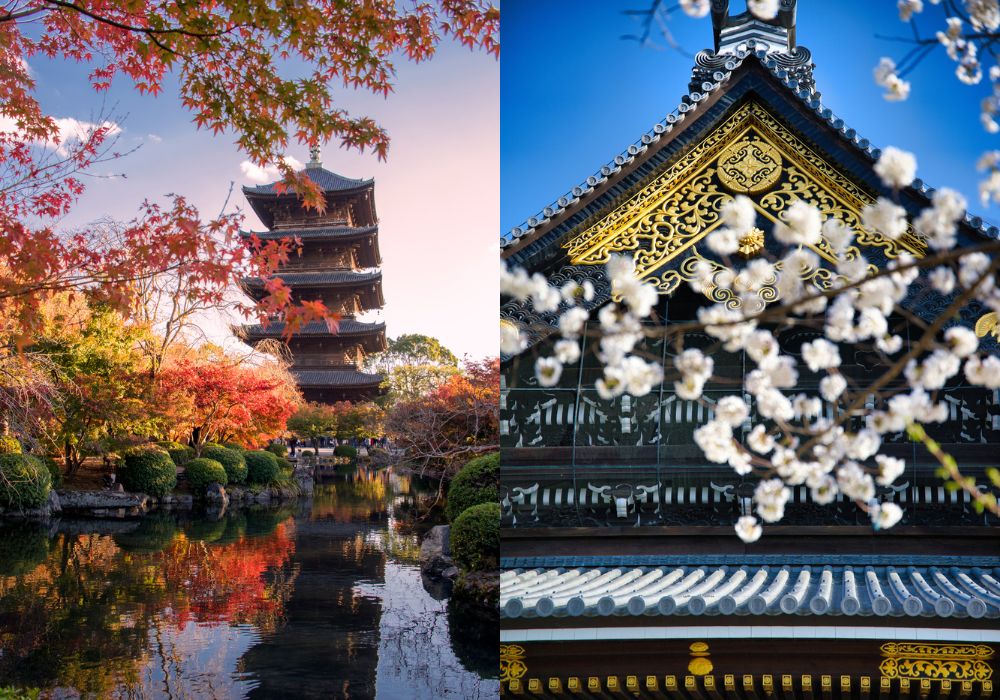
(336, 278)
(334, 378)
(714, 73)
(347, 326)
(327, 180)
(761, 585)
(319, 232)
(777, 84)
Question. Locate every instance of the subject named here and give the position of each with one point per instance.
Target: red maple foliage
(212, 399)
(263, 70)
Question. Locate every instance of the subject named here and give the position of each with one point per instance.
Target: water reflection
(321, 601)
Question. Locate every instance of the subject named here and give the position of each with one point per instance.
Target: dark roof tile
(329, 181)
(335, 377)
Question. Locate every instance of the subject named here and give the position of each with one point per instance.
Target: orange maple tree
(216, 399)
(265, 71)
(456, 421)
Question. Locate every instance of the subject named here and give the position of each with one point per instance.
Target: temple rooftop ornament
(314, 161)
(733, 32)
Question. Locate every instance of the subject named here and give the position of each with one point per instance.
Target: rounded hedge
(202, 471)
(234, 446)
(55, 471)
(475, 538)
(10, 445)
(277, 449)
(25, 481)
(262, 467)
(476, 483)
(231, 460)
(180, 454)
(345, 451)
(148, 470)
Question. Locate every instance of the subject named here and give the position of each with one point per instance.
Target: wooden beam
(787, 687)
(711, 688)
(691, 686)
(807, 687)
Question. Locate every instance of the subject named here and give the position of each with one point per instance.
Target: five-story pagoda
(338, 265)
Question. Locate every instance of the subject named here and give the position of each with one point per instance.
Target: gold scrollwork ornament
(512, 663)
(749, 166)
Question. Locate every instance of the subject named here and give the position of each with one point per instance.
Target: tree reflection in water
(325, 602)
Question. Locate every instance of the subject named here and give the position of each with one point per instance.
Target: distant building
(338, 265)
(623, 576)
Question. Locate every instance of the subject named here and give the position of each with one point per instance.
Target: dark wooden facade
(338, 265)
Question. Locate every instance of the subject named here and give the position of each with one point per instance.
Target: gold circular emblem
(700, 666)
(749, 166)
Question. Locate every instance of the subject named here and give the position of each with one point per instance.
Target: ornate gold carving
(920, 661)
(726, 286)
(988, 324)
(672, 211)
(749, 166)
(752, 243)
(512, 663)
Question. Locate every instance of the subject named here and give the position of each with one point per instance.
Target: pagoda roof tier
(369, 253)
(334, 186)
(327, 180)
(883, 588)
(314, 233)
(347, 326)
(335, 378)
(332, 278)
(367, 284)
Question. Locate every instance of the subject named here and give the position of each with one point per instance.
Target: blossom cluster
(771, 428)
(969, 32)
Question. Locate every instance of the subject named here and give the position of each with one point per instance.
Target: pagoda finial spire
(314, 161)
(734, 31)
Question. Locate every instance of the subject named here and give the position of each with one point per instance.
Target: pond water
(320, 600)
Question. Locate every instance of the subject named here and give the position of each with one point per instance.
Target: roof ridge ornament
(314, 161)
(733, 32)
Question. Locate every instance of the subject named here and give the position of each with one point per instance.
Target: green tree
(101, 397)
(413, 365)
(312, 421)
(409, 382)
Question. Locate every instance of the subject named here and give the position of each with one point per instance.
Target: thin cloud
(267, 173)
(68, 131)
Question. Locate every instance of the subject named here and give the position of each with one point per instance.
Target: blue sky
(574, 93)
(437, 195)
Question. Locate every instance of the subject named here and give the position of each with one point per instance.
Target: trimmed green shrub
(285, 466)
(234, 446)
(277, 449)
(476, 483)
(262, 467)
(25, 481)
(180, 454)
(475, 538)
(10, 445)
(345, 451)
(231, 460)
(55, 471)
(148, 469)
(202, 471)
(307, 453)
